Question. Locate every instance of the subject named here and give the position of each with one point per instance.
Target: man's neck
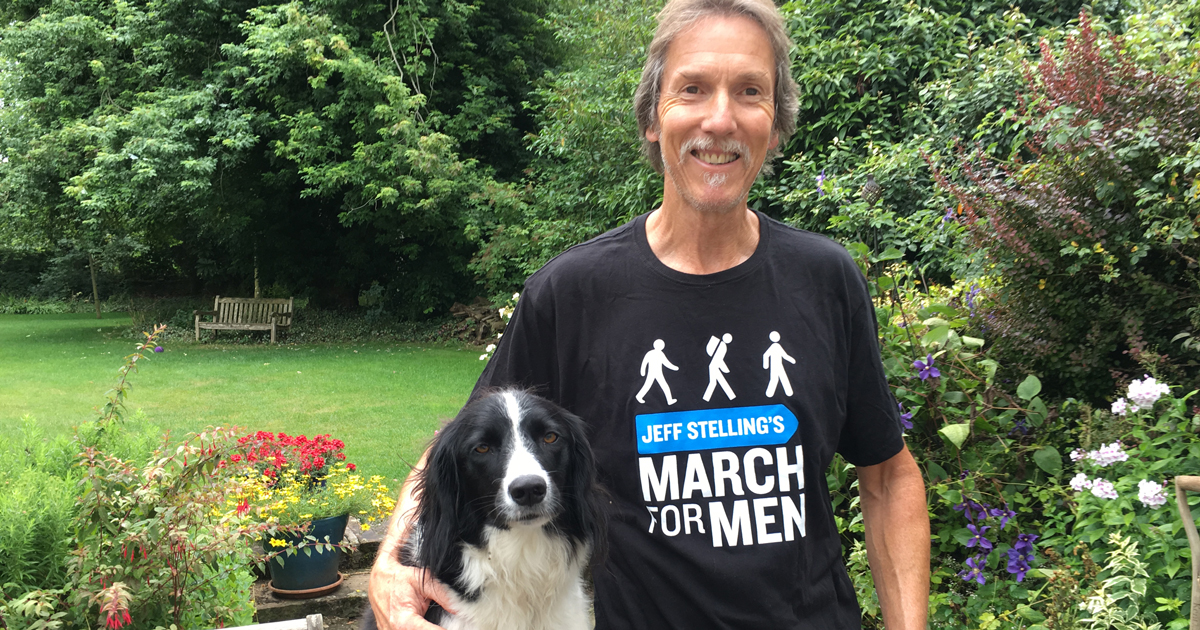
(701, 243)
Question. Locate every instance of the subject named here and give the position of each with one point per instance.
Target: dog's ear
(585, 511)
(440, 495)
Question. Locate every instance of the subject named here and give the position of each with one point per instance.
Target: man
(720, 516)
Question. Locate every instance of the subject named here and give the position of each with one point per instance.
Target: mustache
(728, 145)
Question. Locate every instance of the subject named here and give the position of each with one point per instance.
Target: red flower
(117, 618)
(243, 507)
(351, 466)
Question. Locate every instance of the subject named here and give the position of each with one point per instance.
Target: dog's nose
(527, 490)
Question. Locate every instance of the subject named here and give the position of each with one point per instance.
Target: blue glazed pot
(301, 571)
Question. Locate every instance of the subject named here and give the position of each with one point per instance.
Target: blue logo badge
(708, 429)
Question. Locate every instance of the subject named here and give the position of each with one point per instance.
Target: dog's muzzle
(527, 490)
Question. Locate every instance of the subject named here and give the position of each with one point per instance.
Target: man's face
(715, 112)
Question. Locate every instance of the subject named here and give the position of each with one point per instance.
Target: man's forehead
(716, 42)
(701, 71)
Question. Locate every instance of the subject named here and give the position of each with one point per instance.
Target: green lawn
(383, 399)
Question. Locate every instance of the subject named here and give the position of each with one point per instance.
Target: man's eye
(550, 438)
(691, 89)
(482, 448)
(751, 91)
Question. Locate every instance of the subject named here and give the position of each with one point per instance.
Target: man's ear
(774, 140)
(652, 134)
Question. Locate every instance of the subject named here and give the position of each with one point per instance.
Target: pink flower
(1103, 489)
(1151, 494)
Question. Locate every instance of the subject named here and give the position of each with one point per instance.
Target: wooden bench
(246, 314)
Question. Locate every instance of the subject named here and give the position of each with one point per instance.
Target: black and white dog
(509, 516)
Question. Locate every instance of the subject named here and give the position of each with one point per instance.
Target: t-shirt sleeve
(525, 355)
(871, 434)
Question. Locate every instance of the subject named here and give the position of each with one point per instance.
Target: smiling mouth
(715, 158)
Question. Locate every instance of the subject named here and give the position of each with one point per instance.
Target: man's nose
(719, 119)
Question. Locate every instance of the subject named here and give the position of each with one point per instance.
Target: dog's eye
(482, 448)
(550, 438)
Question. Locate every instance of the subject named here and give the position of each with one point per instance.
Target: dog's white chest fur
(527, 580)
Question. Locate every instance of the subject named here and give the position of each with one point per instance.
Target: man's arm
(896, 519)
(400, 594)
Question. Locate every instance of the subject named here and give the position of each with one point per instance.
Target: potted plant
(306, 492)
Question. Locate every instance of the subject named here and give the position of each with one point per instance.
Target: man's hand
(400, 594)
(897, 526)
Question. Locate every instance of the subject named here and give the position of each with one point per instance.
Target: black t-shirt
(715, 404)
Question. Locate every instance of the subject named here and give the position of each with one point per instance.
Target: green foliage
(994, 456)
(150, 543)
(36, 507)
(1117, 602)
(1090, 219)
(313, 143)
(588, 175)
(1160, 443)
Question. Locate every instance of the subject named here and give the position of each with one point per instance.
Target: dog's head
(509, 459)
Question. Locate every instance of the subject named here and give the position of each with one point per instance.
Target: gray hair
(676, 18)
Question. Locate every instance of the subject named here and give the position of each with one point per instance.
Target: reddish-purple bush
(1092, 219)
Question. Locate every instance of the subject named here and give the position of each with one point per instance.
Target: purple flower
(974, 570)
(820, 184)
(158, 348)
(925, 368)
(978, 538)
(1017, 564)
(905, 418)
(1004, 513)
(1021, 555)
(1024, 543)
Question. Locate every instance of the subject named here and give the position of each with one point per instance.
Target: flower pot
(309, 574)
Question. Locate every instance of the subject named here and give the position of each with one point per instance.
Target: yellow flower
(1042, 283)
(276, 542)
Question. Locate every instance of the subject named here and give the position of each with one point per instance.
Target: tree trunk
(95, 291)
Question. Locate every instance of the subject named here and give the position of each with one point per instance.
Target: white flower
(516, 296)
(1151, 494)
(1143, 393)
(1080, 482)
(1078, 454)
(1103, 489)
(1108, 455)
(483, 357)
(491, 347)
(1120, 407)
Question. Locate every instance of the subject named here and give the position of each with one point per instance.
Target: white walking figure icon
(773, 360)
(716, 368)
(652, 368)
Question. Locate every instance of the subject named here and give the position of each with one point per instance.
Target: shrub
(36, 508)
(1091, 219)
(1013, 543)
